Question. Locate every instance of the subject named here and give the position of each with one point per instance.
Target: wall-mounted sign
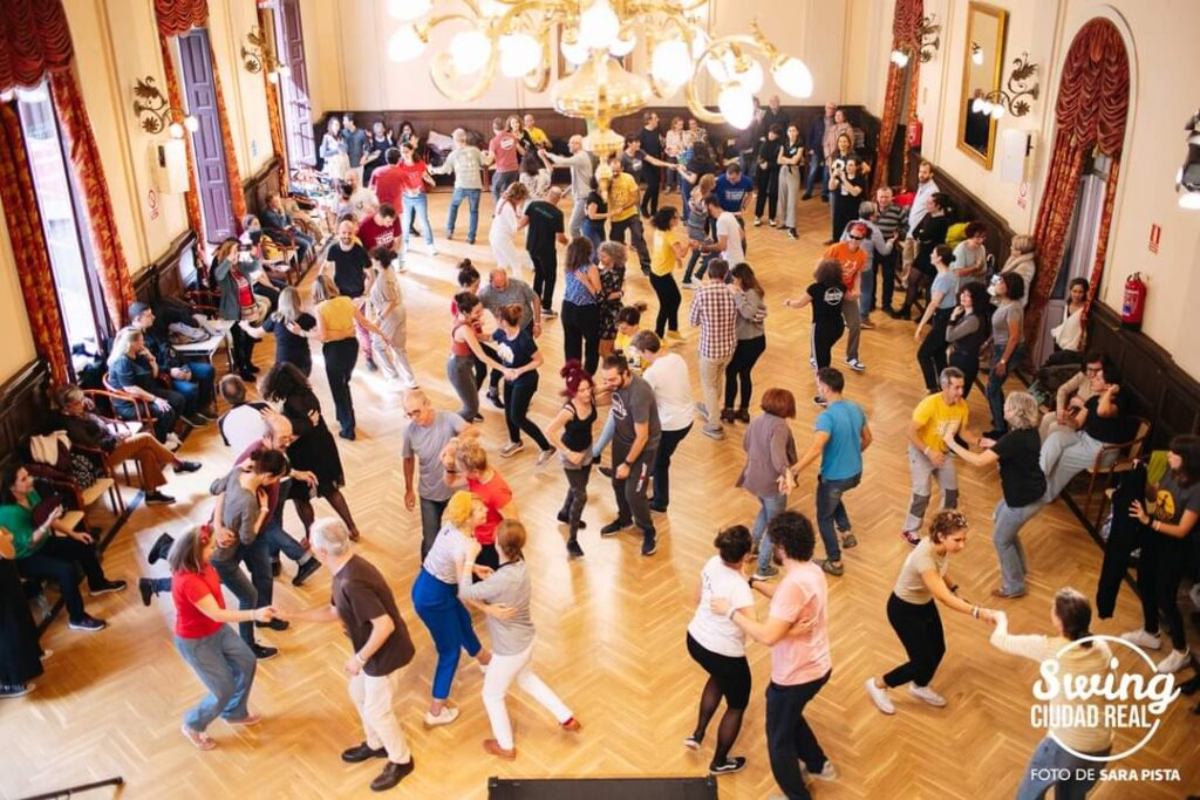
(1155, 237)
(152, 203)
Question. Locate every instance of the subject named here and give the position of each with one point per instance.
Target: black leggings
(745, 356)
(58, 560)
(768, 193)
(576, 499)
(1160, 569)
(824, 336)
(545, 273)
(728, 677)
(931, 355)
(920, 630)
(581, 334)
(242, 354)
(669, 300)
(517, 395)
(340, 358)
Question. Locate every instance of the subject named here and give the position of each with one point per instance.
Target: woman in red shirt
(221, 660)
(472, 471)
(416, 176)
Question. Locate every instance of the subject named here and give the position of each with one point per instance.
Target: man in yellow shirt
(623, 213)
(927, 451)
(536, 135)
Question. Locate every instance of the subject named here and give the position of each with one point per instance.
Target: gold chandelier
(514, 37)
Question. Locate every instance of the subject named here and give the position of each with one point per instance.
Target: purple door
(200, 99)
(297, 110)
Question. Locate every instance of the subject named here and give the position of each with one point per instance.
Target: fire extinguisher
(914, 134)
(1133, 307)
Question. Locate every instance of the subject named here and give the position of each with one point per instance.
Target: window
(64, 221)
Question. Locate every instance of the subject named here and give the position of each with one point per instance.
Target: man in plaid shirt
(715, 311)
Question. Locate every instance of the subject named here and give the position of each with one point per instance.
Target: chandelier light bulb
(470, 50)
(175, 130)
(721, 66)
(751, 77)
(623, 47)
(405, 44)
(699, 44)
(273, 76)
(408, 10)
(736, 104)
(519, 54)
(977, 105)
(191, 123)
(599, 26)
(977, 55)
(1190, 201)
(793, 76)
(574, 53)
(670, 63)
(900, 58)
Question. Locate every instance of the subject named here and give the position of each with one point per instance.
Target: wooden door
(200, 99)
(297, 109)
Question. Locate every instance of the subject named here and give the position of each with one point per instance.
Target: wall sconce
(1187, 181)
(976, 54)
(155, 113)
(257, 55)
(1021, 85)
(927, 42)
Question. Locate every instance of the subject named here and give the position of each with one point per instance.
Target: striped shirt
(893, 219)
(715, 311)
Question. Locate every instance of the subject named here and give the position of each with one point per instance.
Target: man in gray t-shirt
(636, 432)
(428, 433)
(502, 290)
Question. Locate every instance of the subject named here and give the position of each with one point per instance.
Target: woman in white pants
(791, 156)
(507, 591)
(509, 219)
(386, 305)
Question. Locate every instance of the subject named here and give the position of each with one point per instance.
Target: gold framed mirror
(983, 63)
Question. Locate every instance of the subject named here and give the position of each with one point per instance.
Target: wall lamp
(1187, 182)
(925, 44)
(1022, 87)
(258, 55)
(155, 113)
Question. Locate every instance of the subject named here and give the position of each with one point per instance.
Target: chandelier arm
(697, 108)
(441, 69)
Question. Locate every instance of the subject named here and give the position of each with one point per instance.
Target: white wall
(18, 347)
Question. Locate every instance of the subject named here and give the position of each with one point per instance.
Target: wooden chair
(81, 498)
(1112, 459)
(102, 401)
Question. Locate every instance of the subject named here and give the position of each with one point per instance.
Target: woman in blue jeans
(435, 599)
(1008, 346)
(414, 198)
(1059, 760)
(222, 661)
(770, 454)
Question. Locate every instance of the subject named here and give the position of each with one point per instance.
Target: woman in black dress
(20, 654)
(314, 448)
(612, 290)
(289, 324)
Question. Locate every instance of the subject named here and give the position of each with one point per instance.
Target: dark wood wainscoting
(969, 208)
(1163, 392)
(261, 185)
(23, 404)
(170, 273)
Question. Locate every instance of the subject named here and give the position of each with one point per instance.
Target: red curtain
(180, 16)
(1093, 103)
(906, 24)
(236, 193)
(89, 172)
(29, 246)
(274, 110)
(34, 39)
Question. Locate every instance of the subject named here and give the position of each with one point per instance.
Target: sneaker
(146, 590)
(87, 623)
(821, 401)
(16, 690)
(927, 695)
(349, 436)
(848, 541)
(717, 433)
(772, 223)
(742, 415)
(275, 625)
(306, 571)
(201, 740)
(692, 742)
(566, 520)
(828, 772)
(574, 550)
(447, 715)
(727, 415)
(549, 313)
(692, 284)
(792, 233)
(361, 752)
(494, 396)
(836, 570)
(757, 222)
(615, 527)
(511, 449)
(1177, 660)
(1150, 641)
(766, 573)
(649, 543)
(879, 697)
(605, 471)
(107, 587)
(546, 455)
(182, 467)
(160, 548)
(855, 364)
(912, 537)
(735, 764)
(157, 498)
(264, 653)
(702, 410)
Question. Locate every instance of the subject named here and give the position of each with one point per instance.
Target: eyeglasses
(858, 238)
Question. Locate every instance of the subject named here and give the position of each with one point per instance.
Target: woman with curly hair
(612, 290)
(571, 432)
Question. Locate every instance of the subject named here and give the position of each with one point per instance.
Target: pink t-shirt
(802, 594)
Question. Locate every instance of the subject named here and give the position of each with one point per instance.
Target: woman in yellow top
(336, 315)
(667, 256)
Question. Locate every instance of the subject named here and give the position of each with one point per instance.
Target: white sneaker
(879, 697)
(855, 364)
(448, 715)
(546, 455)
(926, 694)
(1177, 660)
(173, 442)
(1150, 641)
(828, 772)
(511, 449)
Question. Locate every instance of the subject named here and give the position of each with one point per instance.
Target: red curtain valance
(180, 16)
(34, 40)
(1093, 94)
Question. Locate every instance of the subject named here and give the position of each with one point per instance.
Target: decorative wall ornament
(925, 43)
(258, 55)
(1022, 88)
(155, 113)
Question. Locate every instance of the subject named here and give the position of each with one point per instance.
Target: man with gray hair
(365, 606)
(582, 167)
(544, 232)
(466, 162)
(425, 438)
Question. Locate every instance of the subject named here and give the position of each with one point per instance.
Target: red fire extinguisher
(914, 134)
(1133, 307)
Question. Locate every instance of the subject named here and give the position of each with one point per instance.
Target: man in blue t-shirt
(842, 434)
(734, 190)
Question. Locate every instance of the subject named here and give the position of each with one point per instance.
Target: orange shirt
(852, 263)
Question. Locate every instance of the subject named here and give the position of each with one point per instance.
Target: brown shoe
(572, 725)
(493, 747)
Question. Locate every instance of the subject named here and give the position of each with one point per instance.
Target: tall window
(64, 221)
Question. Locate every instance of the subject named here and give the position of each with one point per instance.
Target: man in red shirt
(853, 260)
(382, 230)
(505, 150)
(388, 182)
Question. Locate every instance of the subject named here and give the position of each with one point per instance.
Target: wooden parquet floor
(610, 627)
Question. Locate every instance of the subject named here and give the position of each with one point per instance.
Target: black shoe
(566, 520)
(347, 435)
(478, 418)
(574, 550)
(806, 196)
(392, 774)
(162, 546)
(263, 653)
(658, 509)
(276, 567)
(821, 401)
(830, 241)
(206, 414)
(361, 752)
(107, 587)
(157, 498)
(606, 472)
(182, 467)
(86, 623)
(735, 764)
(305, 572)
(649, 543)
(615, 527)
(275, 625)
(146, 589)
(494, 396)
(253, 369)
(248, 375)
